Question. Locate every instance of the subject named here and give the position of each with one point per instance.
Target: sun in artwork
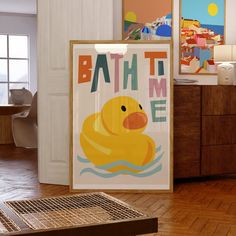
(213, 9)
(131, 17)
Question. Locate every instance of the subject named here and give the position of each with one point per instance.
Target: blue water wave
(145, 170)
(158, 149)
(82, 160)
(130, 165)
(122, 172)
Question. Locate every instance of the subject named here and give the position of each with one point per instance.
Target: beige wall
(230, 35)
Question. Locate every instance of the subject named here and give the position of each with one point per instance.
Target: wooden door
(58, 22)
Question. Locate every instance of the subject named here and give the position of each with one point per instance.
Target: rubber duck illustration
(115, 134)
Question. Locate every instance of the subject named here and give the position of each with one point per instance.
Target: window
(14, 64)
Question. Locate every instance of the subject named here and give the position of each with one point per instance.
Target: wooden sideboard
(204, 130)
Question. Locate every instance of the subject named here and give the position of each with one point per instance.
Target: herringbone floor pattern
(203, 207)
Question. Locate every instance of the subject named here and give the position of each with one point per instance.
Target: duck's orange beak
(135, 120)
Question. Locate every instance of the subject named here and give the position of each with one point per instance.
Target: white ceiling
(18, 6)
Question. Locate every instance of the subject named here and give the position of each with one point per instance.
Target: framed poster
(202, 26)
(147, 20)
(121, 116)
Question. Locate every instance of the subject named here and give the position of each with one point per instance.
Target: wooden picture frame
(108, 151)
(193, 62)
(150, 25)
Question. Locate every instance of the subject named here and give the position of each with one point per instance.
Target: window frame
(8, 58)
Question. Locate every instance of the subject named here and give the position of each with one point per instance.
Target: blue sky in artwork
(198, 10)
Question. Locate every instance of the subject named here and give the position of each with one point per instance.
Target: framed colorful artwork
(121, 116)
(147, 20)
(202, 26)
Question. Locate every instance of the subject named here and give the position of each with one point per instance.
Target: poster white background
(86, 103)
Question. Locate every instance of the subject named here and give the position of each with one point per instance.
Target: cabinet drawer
(234, 129)
(219, 100)
(187, 100)
(186, 146)
(187, 169)
(218, 130)
(218, 160)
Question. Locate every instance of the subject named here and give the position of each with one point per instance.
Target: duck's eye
(140, 107)
(123, 108)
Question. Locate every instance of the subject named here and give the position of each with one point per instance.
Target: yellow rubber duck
(115, 134)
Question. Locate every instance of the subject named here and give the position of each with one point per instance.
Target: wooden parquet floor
(202, 207)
